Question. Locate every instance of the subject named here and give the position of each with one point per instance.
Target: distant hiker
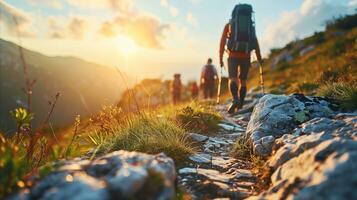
(208, 78)
(176, 88)
(194, 90)
(240, 37)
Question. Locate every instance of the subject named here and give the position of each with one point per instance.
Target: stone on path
(276, 115)
(215, 175)
(197, 137)
(230, 127)
(118, 175)
(201, 158)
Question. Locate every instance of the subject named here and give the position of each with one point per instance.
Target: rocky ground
(309, 146)
(212, 172)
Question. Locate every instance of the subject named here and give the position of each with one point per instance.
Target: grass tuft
(242, 149)
(344, 92)
(199, 118)
(150, 134)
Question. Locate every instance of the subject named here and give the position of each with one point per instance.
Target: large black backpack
(242, 29)
(209, 73)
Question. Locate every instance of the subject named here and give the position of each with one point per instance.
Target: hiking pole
(219, 86)
(261, 77)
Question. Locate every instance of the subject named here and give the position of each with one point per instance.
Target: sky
(155, 38)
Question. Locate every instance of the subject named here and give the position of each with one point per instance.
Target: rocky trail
(212, 172)
(308, 144)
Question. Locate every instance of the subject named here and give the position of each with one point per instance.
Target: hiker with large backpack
(240, 38)
(208, 79)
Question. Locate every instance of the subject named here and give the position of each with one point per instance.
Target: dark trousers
(208, 90)
(176, 97)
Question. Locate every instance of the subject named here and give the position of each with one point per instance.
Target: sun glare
(126, 45)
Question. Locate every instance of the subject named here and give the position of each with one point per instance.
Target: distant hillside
(303, 65)
(84, 86)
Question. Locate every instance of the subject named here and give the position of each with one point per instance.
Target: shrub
(274, 51)
(307, 87)
(346, 22)
(242, 148)
(317, 38)
(345, 93)
(150, 134)
(13, 166)
(337, 74)
(283, 66)
(195, 118)
(338, 47)
(329, 76)
(276, 91)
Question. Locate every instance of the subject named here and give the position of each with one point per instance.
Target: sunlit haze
(155, 38)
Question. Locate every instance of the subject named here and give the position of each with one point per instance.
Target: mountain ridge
(76, 79)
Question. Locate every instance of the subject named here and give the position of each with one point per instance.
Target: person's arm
(257, 51)
(215, 72)
(202, 75)
(223, 43)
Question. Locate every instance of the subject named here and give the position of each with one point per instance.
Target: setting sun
(178, 99)
(126, 45)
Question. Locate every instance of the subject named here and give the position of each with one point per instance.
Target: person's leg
(173, 98)
(242, 92)
(233, 80)
(243, 75)
(178, 97)
(205, 91)
(211, 90)
(233, 83)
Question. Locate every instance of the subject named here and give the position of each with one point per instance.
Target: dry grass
(307, 71)
(200, 118)
(243, 150)
(150, 134)
(345, 93)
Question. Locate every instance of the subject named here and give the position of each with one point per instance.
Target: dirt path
(213, 172)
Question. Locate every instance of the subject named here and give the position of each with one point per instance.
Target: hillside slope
(78, 82)
(303, 65)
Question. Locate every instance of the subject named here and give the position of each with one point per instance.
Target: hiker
(194, 90)
(208, 78)
(176, 88)
(240, 37)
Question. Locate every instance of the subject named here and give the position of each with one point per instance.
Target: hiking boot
(240, 105)
(232, 108)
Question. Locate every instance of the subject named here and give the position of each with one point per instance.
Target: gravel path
(212, 172)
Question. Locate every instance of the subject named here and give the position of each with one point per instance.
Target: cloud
(115, 5)
(73, 27)
(191, 19)
(77, 27)
(51, 3)
(164, 3)
(310, 17)
(56, 30)
(145, 30)
(174, 11)
(13, 20)
(195, 1)
(353, 3)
